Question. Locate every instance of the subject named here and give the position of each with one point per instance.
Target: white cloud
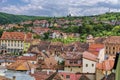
(3, 1)
(62, 7)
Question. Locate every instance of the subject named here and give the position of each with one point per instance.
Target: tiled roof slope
(89, 56)
(113, 39)
(21, 65)
(16, 36)
(105, 65)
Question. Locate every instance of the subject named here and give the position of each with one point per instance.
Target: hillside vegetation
(99, 25)
(10, 18)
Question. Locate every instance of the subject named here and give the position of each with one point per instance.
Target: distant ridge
(6, 18)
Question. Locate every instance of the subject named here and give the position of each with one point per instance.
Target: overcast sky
(59, 7)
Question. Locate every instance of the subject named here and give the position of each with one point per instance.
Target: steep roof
(28, 37)
(21, 65)
(49, 63)
(13, 35)
(89, 56)
(16, 36)
(95, 48)
(30, 58)
(83, 77)
(113, 39)
(43, 75)
(105, 65)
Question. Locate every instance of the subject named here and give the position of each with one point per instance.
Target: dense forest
(10, 18)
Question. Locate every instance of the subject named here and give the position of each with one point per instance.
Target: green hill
(6, 18)
(10, 18)
(98, 25)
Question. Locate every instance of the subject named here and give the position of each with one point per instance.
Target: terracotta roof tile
(41, 75)
(90, 56)
(113, 39)
(95, 48)
(105, 65)
(15, 36)
(21, 65)
(49, 63)
(73, 55)
(31, 58)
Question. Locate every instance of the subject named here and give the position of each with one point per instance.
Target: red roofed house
(49, 63)
(42, 23)
(14, 41)
(21, 65)
(76, 76)
(104, 68)
(98, 50)
(40, 30)
(31, 59)
(89, 62)
(73, 62)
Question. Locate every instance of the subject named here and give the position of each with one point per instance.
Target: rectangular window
(86, 65)
(113, 48)
(70, 62)
(106, 47)
(106, 52)
(18, 44)
(15, 44)
(67, 76)
(21, 44)
(11, 43)
(8, 44)
(92, 65)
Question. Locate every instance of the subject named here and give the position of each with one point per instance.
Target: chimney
(14, 77)
(32, 70)
(48, 72)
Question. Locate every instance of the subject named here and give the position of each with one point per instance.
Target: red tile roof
(31, 58)
(95, 48)
(13, 35)
(105, 65)
(40, 30)
(113, 39)
(28, 37)
(73, 55)
(16, 36)
(21, 65)
(41, 75)
(49, 63)
(89, 56)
